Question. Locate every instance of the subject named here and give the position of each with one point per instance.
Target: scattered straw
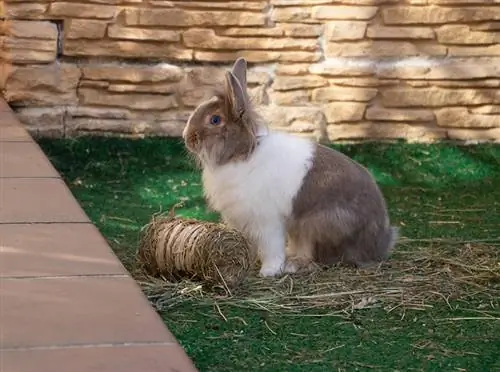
(416, 277)
(174, 248)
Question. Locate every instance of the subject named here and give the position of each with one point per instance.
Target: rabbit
(300, 203)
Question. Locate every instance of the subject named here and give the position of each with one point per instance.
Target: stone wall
(340, 70)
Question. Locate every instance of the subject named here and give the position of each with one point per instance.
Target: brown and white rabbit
(280, 189)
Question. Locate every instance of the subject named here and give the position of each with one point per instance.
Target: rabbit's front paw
(270, 269)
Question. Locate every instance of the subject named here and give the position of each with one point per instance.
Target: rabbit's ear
(240, 71)
(235, 95)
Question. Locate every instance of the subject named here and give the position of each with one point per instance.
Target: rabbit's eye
(215, 119)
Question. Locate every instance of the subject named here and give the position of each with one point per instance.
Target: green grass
(433, 192)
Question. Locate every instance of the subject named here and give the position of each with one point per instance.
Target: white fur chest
(260, 191)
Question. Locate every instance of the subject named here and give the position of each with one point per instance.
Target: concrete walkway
(66, 302)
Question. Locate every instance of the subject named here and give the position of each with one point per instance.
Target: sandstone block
(243, 5)
(459, 117)
(463, 2)
(344, 12)
(43, 121)
(207, 39)
(337, 112)
(488, 26)
(486, 83)
(290, 98)
(462, 34)
(197, 84)
(26, 11)
(438, 15)
(298, 82)
(279, 117)
(378, 48)
(257, 56)
(53, 84)
(93, 84)
(81, 126)
(302, 30)
(362, 82)
(291, 14)
(258, 76)
(26, 51)
(331, 68)
(333, 93)
(436, 97)
(258, 95)
(478, 51)
(125, 49)
(486, 110)
(451, 69)
(98, 112)
(78, 10)
(345, 30)
(409, 132)
(381, 32)
(383, 114)
(164, 88)
(292, 69)
(475, 135)
(279, 3)
(133, 73)
(252, 31)
(134, 101)
(186, 18)
(118, 32)
(42, 30)
(84, 29)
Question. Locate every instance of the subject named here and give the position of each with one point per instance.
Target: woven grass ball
(178, 248)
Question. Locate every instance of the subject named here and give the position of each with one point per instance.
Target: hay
(174, 249)
(419, 275)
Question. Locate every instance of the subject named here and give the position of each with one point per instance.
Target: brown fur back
(340, 213)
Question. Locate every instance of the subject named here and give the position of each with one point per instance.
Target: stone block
(135, 101)
(383, 49)
(79, 10)
(174, 17)
(290, 98)
(437, 97)
(383, 114)
(162, 72)
(334, 93)
(344, 12)
(298, 82)
(345, 30)
(462, 34)
(382, 32)
(84, 29)
(207, 39)
(337, 112)
(119, 32)
(401, 14)
(459, 117)
(53, 84)
(125, 49)
(26, 10)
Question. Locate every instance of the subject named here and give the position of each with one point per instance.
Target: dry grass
(420, 274)
(174, 248)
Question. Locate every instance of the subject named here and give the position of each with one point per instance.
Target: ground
(445, 199)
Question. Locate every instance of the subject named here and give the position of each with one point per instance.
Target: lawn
(434, 306)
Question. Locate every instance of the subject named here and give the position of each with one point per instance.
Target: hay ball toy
(178, 248)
